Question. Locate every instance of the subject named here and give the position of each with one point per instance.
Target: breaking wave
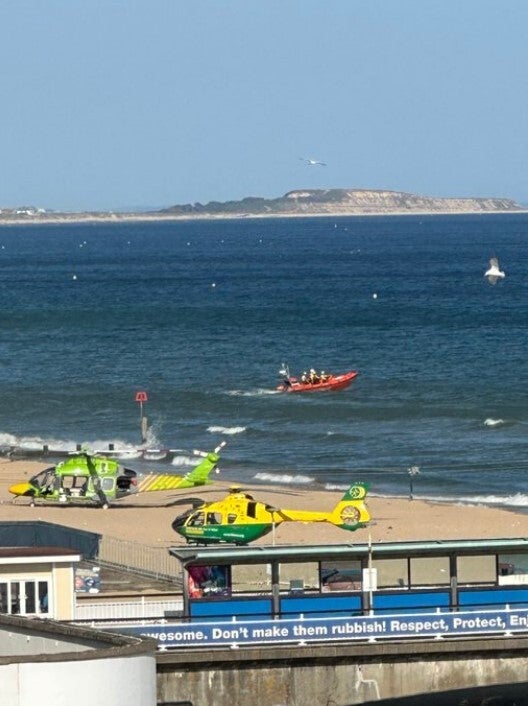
(185, 461)
(284, 478)
(252, 393)
(226, 430)
(490, 422)
(516, 500)
(39, 443)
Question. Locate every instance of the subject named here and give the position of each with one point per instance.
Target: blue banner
(399, 626)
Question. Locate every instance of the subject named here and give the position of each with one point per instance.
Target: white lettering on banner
(187, 636)
(417, 626)
(310, 630)
(248, 632)
(518, 620)
(360, 628)
(270, 633)
(233, 634)
(477, 622)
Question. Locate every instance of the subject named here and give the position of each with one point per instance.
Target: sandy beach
(91, 218)
(146, 518)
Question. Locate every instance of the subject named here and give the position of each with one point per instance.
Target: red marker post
(142, 397)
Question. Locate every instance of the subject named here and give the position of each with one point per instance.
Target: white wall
(87, 682)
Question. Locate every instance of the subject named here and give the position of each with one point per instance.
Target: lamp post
(412, 471)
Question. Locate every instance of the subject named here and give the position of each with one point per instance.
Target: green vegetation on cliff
(344, 201)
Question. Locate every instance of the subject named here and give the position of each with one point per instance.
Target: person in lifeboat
(314, 377)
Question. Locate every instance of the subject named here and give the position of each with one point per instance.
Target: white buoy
(374, 296)
(213, 284)
(74, 277)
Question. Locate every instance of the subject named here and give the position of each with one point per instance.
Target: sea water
(202, 314)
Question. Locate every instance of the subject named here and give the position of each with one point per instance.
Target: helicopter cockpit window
(252, 509)
(74, 485)
(44, 479)
(197, 520)
(74, 482)
(214, 518)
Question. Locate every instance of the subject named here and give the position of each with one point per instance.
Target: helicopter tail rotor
(351, 512)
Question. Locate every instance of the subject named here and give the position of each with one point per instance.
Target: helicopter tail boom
(198, 476)
(350, 513)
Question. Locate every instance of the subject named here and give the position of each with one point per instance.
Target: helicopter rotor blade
(103, 500)
(205, 454)
(195, 502)
(271, 508)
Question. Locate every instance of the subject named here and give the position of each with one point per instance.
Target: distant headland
(302, 202)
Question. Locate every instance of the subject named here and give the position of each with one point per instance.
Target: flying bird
(313, 162)
(494, 272)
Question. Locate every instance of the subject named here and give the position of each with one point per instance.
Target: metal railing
(126, 610)
(152, 561)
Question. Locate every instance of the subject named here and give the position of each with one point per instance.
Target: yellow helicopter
(240, 519)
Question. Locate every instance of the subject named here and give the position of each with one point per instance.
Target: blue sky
(111, 104)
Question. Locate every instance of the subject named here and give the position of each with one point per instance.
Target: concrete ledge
(67, 642)
(406, 650)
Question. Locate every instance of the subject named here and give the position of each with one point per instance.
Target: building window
(304, 573)
(513, 569)
(392, 573)
(24, 597)
(477, 569)
(341, 576)
(208, 581)
(430, 571)
(4, 597)
(43, 603)
(251, 578)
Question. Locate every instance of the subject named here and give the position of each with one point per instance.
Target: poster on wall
(87, 580)
(205, 581)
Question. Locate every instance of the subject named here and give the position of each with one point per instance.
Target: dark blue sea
(202, 314)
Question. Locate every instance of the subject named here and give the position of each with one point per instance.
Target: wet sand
(146, 518)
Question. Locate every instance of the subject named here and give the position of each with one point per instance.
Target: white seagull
(494, 273)
(313, 162)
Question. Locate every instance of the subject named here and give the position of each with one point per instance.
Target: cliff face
(346, 201)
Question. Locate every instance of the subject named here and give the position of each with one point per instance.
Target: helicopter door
(252, 509)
